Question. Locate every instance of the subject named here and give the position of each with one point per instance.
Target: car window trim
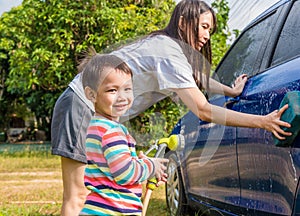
(264, 43)
(270, 49)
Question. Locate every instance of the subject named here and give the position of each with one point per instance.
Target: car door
(245, 56)
(210, 162)
(269, 174)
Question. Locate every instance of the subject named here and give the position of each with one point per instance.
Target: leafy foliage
(41, 42)
(220, 38)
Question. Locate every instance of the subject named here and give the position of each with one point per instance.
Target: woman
(171, 60)
(174, 59)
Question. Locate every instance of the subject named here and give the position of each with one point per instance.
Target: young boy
(114, 172)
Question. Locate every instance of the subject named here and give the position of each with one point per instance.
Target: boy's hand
(160, 168)
(141, 155)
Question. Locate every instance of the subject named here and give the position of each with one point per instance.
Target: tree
(220, 38)
(42, 41)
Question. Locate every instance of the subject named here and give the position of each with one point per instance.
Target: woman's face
(203, 29)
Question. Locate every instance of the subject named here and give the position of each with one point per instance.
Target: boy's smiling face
(114, 95)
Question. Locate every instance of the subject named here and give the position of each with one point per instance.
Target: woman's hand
(239, 84)
(273, 123)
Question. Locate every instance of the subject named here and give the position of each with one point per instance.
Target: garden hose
(172, 143)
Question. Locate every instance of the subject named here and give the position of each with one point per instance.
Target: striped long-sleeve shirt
(114, 173)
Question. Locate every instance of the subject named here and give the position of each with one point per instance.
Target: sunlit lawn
(30, 184)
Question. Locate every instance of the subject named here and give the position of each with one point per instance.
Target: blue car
(224, 170)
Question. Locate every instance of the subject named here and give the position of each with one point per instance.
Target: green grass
(30, 179)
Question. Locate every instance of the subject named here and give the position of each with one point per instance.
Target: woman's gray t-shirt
(159, 66)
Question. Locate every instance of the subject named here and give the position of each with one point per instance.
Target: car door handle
(229, 102)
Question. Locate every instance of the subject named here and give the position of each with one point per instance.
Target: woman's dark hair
(190, 11)
(94, 65)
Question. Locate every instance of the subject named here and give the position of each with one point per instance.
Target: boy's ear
(90, 94)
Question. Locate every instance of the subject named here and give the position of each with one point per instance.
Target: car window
(242, 58)
(289, 41)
